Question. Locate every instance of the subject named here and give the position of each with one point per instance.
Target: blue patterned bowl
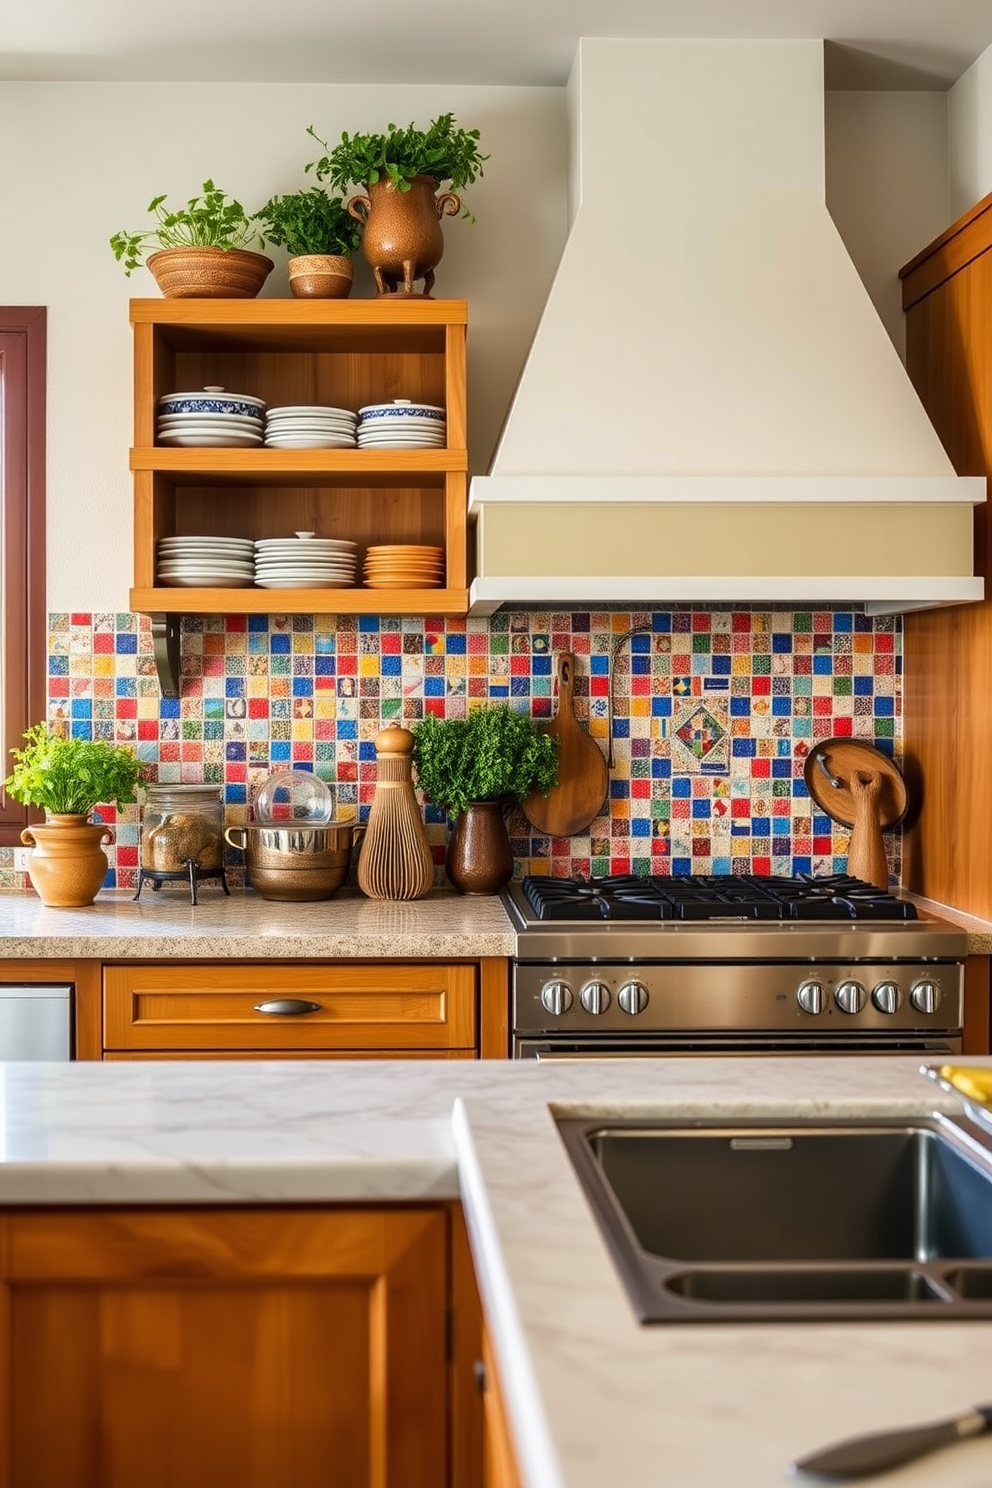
(211, 400)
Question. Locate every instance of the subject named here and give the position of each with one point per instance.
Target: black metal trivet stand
(191, 875)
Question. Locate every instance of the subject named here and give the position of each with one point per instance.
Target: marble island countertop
(165, 926)
(593, 1397)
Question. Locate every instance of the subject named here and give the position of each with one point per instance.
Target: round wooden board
(843, 757)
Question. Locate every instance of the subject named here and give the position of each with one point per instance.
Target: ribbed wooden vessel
(395, 861)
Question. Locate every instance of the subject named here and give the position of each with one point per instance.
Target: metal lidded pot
(296, 853)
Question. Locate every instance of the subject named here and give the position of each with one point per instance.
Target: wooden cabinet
(344, 1009)
(205, 1348)
(345, 353)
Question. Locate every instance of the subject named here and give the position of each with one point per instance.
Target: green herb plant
(71, 776)
(443, 151)
(210, 221)
(496, 753)
(309, 222)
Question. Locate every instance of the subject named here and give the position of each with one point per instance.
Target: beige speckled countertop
(160, 927)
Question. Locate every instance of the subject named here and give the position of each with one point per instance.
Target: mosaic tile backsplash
(715, 711)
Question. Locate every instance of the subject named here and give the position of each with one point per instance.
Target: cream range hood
(711, 410)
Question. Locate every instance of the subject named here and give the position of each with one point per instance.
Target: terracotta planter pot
(480, 860)
(67, 864)
(402, 240)
(320, 276)
(209, 273)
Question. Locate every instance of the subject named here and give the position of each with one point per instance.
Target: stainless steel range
(634, 966)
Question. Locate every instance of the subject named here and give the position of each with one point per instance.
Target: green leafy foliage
(443, 151)
(309, 222)
(210, 221)
(72, 775)
(494, 753)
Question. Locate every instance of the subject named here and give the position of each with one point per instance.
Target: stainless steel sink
(766, 1220)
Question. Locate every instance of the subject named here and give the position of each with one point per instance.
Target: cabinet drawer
(373, 1005)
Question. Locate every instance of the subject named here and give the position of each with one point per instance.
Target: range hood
(711, 410)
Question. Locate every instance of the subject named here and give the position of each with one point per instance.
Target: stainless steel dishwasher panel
(35, 1021)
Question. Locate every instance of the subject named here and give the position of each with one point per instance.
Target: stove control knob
(925, 996)
(850, 997)
(811, 997)
(633, 997)
(556, 998)
(887, 997)
(595, 998)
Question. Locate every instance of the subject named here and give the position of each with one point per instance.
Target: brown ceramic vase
(320, 276)
(480, 859)
(67, 863)
(209, 273)
(402, 239)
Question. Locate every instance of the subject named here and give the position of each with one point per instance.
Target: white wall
(80, 161)
(970, 114)
(887, 186)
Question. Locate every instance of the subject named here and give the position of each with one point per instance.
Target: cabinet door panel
(375, 1006)
(194, 1349)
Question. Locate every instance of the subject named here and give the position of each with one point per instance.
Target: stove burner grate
(713, 897)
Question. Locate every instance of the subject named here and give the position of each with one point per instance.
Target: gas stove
(737, 963)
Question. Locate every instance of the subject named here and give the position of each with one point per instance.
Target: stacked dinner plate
(305, 562)
(404, 566)
(402, 424)
(211, 418)
(206, 562)
(310, 426)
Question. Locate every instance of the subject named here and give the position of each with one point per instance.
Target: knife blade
(860, 1456)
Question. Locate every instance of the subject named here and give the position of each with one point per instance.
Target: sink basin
(759, 1221)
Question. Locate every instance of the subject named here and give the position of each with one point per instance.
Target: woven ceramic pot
(320, 276)
(209, 273)
(67, 863)
(402, 239)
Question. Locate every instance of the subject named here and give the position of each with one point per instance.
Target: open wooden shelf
(339, 352)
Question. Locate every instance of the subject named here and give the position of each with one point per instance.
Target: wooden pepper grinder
(395, 861)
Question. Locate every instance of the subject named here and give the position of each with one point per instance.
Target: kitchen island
(592, 1397)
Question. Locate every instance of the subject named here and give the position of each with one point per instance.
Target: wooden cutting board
(583, 778)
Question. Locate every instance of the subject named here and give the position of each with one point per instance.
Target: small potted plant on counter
(402, 172)
(321, 237)
(202, 249)
(69, 777)
(473, 768)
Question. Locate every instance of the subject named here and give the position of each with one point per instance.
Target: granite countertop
(165, 926)
(249, 927)
(592, 1397)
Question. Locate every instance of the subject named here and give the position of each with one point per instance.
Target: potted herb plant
(69, 777)
(321, 237)
(402, 171)
(202, 248)
(474, 767)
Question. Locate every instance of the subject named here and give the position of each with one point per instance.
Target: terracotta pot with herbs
(474, 768)
(68, 778)
(402, 172)
(202, 248)
(321, 237)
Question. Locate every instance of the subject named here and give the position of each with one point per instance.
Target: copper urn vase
(480, 859)
(402, 239)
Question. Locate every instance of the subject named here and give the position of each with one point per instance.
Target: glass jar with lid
(182, 831)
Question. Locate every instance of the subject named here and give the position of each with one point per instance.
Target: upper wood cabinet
(346, 353)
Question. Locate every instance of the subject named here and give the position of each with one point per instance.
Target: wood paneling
(948, 653)
(374, 1006)
(494, 1032)
(499, 1459)
(199, 1349)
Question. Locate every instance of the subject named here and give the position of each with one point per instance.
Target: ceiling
(907, 44)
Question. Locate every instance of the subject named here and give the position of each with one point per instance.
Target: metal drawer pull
(287, 1006)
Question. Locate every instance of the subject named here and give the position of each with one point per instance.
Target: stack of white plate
(402, 424)
(305, 562)
(206, 562)
(211, 418)
(310, 426)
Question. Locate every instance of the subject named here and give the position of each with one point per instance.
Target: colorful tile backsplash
(714, 713)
